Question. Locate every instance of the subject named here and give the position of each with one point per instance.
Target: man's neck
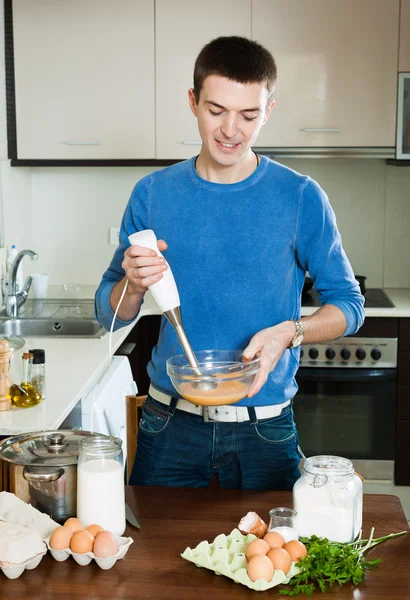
(209, 170)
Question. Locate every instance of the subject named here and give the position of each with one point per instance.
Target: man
(240, 231)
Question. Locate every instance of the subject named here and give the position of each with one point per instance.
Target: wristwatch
(298, 337)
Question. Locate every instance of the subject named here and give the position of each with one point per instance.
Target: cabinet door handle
(192, 143)
(321, 129)
(83, 143)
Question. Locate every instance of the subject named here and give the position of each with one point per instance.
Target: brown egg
(74, 524)
(256, 547)
(94, 529)
(295, 549)
(105, 545)
(82, 542)
(274, 539)
(260, 567)
(280, 559)
(60, 538)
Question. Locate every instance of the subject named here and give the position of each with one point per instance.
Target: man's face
(230, 116)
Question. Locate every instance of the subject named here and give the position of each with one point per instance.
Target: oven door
(351, 413)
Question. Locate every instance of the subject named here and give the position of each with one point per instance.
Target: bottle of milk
(100, 483)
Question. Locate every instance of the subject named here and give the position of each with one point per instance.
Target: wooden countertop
(173, 519)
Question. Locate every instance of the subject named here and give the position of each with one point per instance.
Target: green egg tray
(226, 556)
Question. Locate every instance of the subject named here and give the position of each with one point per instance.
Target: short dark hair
(236, 58)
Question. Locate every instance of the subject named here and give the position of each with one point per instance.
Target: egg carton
(14, 570)
(16, 511)
(226, 556)
(84, 559)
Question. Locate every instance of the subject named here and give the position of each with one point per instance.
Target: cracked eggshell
(252, 523)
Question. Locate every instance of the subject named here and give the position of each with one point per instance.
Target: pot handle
(42, 477)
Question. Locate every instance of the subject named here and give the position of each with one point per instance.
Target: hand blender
(165, 294)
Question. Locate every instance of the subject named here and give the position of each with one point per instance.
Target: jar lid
(101, 446)
(39, 356)
(328, 465)
(44, 448)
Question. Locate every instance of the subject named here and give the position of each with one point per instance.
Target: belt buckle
(205, 414)
(215, 413)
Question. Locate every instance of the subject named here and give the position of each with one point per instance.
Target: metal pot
(41, 469)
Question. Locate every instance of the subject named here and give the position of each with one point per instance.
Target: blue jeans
(178, 449)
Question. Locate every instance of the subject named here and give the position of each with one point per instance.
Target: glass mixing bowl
(232, 377)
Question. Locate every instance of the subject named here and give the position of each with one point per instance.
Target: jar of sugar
(328, 499)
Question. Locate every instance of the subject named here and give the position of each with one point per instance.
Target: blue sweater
(239, 253)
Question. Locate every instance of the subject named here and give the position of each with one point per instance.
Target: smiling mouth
(226, 145)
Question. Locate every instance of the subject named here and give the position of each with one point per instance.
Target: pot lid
(44, 448)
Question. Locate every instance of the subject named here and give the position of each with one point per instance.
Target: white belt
(227, 413)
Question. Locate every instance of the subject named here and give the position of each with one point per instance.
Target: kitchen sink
(86, 328)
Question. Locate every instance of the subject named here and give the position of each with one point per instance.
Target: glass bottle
(25, 395)
(38, 371)
(100, 483)
(328, 498)
(5, 381)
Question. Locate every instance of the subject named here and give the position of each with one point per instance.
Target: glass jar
(328, 499)
(100, 483)
(25, 395)
(38, 371)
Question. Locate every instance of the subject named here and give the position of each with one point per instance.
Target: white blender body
(164, 291)
(165, 294)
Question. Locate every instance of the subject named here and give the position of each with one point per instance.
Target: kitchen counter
(172, 519)
(74, 365)
(399, 296)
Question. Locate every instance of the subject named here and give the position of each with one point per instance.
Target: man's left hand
(268, 344)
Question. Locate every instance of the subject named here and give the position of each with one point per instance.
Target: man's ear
(268, 111)
(192, 101)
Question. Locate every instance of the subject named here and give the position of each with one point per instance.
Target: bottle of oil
(25, 395)
(5, 381)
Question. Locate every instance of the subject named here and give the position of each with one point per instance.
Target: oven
(346, 403)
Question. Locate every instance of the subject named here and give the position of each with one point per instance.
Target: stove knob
(345, 354)
(330, 353)
(301, 353)
(375, 354)
(360, 354)
(313, 353)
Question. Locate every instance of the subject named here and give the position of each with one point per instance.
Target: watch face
(298, 341)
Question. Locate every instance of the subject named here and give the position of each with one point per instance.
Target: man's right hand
(143, 267)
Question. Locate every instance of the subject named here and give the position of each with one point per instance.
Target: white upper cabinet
(337, 71)
(84, 73)
(183, 27)
(404, 49)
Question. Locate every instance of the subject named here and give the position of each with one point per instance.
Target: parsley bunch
(328, 563)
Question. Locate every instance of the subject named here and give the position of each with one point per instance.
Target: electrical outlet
(114, 234)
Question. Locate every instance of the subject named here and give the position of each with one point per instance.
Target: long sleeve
(319, 251)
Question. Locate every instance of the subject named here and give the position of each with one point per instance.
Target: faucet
(14, 299)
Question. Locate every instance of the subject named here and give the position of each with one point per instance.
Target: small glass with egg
(283, 521)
